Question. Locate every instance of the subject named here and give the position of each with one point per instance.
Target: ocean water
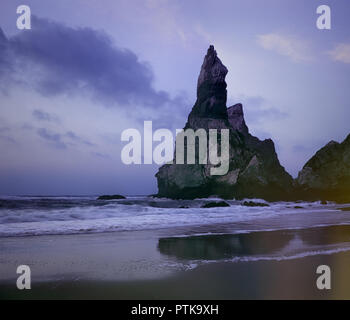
(142, 237)
(23, 216)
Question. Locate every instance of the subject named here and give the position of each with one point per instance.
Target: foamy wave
(196, 263)
(21, 216)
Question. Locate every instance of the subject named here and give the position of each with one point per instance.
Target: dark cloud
(259, 115)
(4, 129)
(257, 109)
(6, 63)
(57, 59)
(75, 138)
(55, 139)
(101, 155)
(27, 127)
(44, 116)
(62, 141)
(5, 135)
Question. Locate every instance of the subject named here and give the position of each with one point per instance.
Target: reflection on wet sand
(216, 247)
(213, 247)
(326, 235)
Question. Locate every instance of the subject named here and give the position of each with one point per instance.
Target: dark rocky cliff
(254, 169)
(326, 176)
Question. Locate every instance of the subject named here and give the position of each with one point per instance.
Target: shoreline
(157, 265)
(288, 279)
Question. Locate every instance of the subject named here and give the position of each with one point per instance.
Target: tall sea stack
(254, 169)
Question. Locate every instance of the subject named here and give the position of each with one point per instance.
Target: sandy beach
(154, 265)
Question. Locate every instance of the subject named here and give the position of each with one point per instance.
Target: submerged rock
(111, 197)
(215, 204)
(254, 168)
(326, 176)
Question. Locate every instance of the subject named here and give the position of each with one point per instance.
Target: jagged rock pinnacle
(211, 88)
(254, 169)
(212, 68)
(236, 118)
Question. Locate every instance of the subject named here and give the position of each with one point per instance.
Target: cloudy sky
(89, 69)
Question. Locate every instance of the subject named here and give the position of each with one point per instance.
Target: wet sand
(150, 265)
(291, 279)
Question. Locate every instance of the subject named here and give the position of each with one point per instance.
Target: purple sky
(89, 69)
